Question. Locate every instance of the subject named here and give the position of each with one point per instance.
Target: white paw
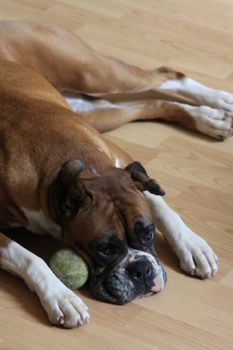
(214, 122)
(195, 255)
(220, 99)
(65, 308)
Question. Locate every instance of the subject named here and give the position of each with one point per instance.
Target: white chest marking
(38, 223)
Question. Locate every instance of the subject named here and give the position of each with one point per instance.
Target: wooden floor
(197, 173)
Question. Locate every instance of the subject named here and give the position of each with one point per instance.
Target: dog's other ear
(142, 181)
(70, 191)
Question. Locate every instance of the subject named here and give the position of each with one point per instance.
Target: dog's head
(107, 219)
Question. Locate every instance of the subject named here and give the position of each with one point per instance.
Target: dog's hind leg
(79, 69)
(64, 308)
(72, 65)
(106, 116)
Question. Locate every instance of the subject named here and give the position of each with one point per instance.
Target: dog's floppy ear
(70, 191)
(142, 181)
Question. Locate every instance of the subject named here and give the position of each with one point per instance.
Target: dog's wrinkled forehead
(73, 190)
(113, 185)
(116, 181)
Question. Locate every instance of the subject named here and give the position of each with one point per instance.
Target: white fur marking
(189, 87)
(40, 224)
(118, 163)
(204, 95)
(158, 269)
(79, 104)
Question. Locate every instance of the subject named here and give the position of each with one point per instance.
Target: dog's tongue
(156, 287)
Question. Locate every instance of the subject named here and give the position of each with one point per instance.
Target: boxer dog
(59, 175)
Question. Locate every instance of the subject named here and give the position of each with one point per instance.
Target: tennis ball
(69, 267)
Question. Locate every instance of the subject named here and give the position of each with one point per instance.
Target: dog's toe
(213, 122)
(196, 256)
(66, 309)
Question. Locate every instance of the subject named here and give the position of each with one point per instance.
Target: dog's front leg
(64, 308)
(195, 255)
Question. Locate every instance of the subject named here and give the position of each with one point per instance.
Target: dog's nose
(140, 270)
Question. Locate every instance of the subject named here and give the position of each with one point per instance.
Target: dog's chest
(38, 223)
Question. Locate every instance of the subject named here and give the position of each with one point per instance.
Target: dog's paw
(65, 308)
(214, 122)
(196, 256)
(220, 99)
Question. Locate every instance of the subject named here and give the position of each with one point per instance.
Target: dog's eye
(107, 251)
(145, 233)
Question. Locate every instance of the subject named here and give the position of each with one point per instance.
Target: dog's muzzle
(137, 275)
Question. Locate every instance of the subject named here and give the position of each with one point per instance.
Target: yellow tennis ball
(70, 268)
